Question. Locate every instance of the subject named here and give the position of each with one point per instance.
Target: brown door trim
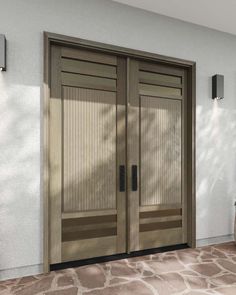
(189, 66)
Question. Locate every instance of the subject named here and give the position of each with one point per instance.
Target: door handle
(122, 178)
(134, 169)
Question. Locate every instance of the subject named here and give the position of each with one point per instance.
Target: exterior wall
(23, 23)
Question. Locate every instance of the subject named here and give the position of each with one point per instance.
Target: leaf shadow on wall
(215, 164)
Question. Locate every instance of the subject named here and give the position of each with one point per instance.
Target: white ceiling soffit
(215, 14)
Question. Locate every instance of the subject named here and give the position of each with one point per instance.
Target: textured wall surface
(23, 23)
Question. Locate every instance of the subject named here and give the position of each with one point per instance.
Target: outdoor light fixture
(218, 87)
(2, 53)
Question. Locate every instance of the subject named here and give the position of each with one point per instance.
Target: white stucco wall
(23, 23)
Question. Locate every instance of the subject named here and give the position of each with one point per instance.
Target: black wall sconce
(218, 87)
(3, 46)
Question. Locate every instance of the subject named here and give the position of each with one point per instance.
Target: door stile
(133, 151)
(121, 155)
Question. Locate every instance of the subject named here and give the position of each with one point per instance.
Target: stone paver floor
(207, 270)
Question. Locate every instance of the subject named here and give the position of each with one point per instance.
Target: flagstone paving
(208, 270)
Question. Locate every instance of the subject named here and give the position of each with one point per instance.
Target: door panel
(89, 149)
(86, 150)
(157, 114)
(160, 143)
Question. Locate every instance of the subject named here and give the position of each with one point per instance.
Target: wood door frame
(189, 66)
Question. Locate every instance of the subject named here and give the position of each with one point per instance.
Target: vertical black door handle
(122, 178)
(134, 178)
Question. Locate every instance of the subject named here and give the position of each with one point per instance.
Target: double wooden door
(117, 145)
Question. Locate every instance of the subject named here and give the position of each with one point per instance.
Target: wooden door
(108, 116)
(87, 154)
(156, 155)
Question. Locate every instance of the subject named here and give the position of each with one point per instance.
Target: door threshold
(109, 258)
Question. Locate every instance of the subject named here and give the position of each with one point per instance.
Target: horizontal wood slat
(75, 250)
(92, 213)
(160, 91)
(88, 234)
(88, 68)
(89, 220)
(90, 82)
(160, 225)
(159, 79)
(92, 226)
(159, 219)
(157, 207)
(160, 69)
(160, 213)
(89, 56)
